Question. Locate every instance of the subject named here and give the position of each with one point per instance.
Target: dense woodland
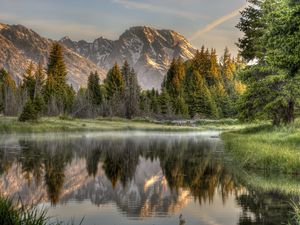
(271, 43)
(204, 87)
(262, 82)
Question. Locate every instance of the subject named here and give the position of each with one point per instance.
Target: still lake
(122, 178)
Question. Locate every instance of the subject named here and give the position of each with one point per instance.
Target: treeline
(203, 87)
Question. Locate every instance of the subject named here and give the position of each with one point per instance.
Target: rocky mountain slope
(148, 50)
(19, 46)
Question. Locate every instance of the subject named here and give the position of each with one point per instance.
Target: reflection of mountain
(124, 171)
(147, 193)
(142, 175)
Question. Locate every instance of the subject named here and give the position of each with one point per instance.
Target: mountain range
(148, 50)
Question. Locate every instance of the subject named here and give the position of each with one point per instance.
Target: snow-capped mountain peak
(150, 51)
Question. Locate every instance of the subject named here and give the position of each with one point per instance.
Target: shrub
(29, 112)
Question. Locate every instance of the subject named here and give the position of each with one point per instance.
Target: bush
(29, 112)
(32, 109)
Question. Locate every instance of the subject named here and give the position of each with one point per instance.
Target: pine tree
(57, 92)
(33, 84)
(174, 84)
(174, 78)
(214, 75)
(145, 104)
(227, 67)
(114, 82)
(29, 112)
(201, 62)
(132, 91)
(29, 81)
(272, 33)
(180, 107)
(56, 65)
(198, 96)
(39, 80)
(8, 91)
(165, 102)
(252, 25)
(154, 101)
(94, 89)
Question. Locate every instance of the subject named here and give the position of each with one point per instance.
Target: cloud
(216, 23)
(156, 8)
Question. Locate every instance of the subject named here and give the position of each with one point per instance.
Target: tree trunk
(289, 116)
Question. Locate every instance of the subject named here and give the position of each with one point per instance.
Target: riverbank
(265, 148)
(61, 124)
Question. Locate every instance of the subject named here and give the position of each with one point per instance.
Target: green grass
(288, 185)
(66, 124)
(267, 148)
(16, 214)
(13, 215)
(295, 213)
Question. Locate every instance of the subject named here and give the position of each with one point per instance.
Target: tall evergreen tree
(214, 73)
(57, 92)
(39, 80)
(198, 96)
(252, 25)
(174, 79)
(132, 91)
(114, 82)
(273, 83)
(153, 98)
(33, 84)
(94, 89)
(165, 102)
(227, 67)
(56, 65)
(8, 91)
(174, 85)
(29, 81)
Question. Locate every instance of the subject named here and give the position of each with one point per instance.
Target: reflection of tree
(92, 161)
(192, 165)
(5, 161)
(31, 161)
(112, 167)
(49, 158)
(263, 208)
(120, 162)
(129, 162)
(188, 163)
(55, 162)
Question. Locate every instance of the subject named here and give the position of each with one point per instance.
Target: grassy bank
(266, 148)
(57, 124)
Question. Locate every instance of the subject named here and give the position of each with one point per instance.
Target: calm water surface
(133, 178)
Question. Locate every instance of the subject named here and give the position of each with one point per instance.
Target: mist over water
(133, 177)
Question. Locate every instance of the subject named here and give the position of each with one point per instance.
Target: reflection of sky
(81, 19)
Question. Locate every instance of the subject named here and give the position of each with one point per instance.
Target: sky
(202, 22)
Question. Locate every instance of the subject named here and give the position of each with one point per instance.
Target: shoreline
(10, 125)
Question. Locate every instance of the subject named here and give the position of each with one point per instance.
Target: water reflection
(143, 175)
